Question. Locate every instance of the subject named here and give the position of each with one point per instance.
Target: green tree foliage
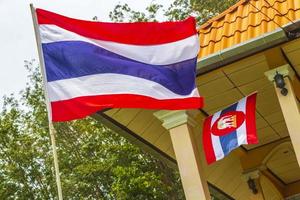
(95, 162)
(178, 10)
(201, 9)
(122, 12)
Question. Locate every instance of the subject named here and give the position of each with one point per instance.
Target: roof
(245, 20)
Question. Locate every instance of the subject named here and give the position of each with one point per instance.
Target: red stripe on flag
(207, 143)
(138, 33)
(81, 107)
(251, 120)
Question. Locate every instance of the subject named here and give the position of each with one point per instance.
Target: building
(241, 51)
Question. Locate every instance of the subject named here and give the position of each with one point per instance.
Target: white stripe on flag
(162, 54)
(241, 132)
(216, 139)
(106, 84)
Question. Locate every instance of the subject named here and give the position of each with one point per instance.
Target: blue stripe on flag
(229, 141)
(71, 59)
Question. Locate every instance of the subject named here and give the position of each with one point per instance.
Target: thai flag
(95, 65)
(229, 128)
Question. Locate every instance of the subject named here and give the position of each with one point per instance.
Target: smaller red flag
(230, 128)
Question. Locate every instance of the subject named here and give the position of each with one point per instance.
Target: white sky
(17, 40)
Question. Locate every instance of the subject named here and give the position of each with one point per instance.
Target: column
(180, 125)
(289, 104)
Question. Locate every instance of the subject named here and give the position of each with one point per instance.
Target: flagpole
(55, 158)
(52, 130)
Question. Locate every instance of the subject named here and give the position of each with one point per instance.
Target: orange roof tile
(245, 20)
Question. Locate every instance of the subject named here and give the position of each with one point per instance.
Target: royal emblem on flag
(228, 129)
(228, 122)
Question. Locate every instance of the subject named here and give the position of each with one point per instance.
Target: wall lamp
(252, 186)
(279, 81)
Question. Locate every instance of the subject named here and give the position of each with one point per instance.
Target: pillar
(289, 105)
(180, 125)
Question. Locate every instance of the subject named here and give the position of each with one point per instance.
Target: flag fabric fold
(230, 128)
(95, 65)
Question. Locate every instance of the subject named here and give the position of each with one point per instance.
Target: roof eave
(250, 47)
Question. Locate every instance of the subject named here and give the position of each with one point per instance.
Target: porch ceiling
(283, 164)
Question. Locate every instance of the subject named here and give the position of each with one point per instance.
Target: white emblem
(228, 121)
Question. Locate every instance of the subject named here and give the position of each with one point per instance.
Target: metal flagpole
(52, 130)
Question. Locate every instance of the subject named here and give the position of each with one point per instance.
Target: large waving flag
(95, 65)
(228, 129)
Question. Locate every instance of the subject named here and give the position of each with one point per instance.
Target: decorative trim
(252, 174)
(172, 119)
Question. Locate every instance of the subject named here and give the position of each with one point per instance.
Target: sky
(17, 40)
